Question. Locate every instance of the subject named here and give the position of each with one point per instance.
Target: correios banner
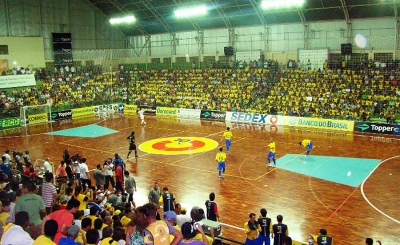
(17, 81)
(320, 123)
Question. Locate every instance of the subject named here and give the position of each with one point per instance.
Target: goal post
(35, 114)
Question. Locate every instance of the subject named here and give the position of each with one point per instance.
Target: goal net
(35, 114)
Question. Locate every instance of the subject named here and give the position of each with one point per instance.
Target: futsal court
(347, 185)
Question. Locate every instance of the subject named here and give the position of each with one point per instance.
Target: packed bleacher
(344, 93)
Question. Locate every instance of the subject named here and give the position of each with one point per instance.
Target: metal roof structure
(157, 16)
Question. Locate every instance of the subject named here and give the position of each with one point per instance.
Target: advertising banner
(129, 109)
(62, 47)
(85, 111)
(61, 115)
(330, 124)
(17, 81)
(10, 122)
(254, 118)
(148, 110)
(213, 115)
(11, 131)
(376, 128)
(167, 111)
(37, 118)
(189, 113)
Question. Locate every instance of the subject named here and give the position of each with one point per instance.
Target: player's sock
(274, 161)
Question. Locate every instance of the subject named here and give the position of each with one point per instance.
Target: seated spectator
(72, 234)
(85, 226)
(50, 231)
(183, 217)
(15, 233)
(189, 232)
(92, 237)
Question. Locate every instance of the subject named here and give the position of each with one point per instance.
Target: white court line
(232, 226)
(365, 197)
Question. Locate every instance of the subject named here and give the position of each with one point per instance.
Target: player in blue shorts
(221, 158)
(308, 145)
(271, 153)
(228, 139)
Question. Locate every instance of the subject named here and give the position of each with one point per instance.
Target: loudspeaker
(346, 48)
(228, 51)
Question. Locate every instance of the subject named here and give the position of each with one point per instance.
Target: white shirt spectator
(17, 236)
(84, 170)
(8, 157)
(182, 218)
(47, 167)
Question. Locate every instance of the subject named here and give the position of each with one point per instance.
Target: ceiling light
(190, 12)
(124, 20)
(269, 4)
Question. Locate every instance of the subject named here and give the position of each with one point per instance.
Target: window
(383, 57)
(3, 49)
(167, 60)
(155, 60)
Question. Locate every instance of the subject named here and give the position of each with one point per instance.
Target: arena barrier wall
(189, 113)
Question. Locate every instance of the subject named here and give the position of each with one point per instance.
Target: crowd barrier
(251, 121)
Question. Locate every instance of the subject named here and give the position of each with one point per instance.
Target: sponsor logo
(273, 119)
(61, 115)
(377, 128)
(383, 139)
(324, 124)
(247, 117)
(363, 127)
(167, 111)
(217, 115)
(38, 118)
(10, 122)
(206, 114)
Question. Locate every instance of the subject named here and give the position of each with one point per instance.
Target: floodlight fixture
(271, 4)
(123, 20)
(191, 12)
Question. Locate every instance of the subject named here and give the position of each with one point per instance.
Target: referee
(132, 145)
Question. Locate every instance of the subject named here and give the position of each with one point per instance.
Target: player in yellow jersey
(228, 139)
(221, 158)
(307, 144)
(271, 153)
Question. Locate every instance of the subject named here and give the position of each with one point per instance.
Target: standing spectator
(167, 199)
(17, 159)
(5, 166)
(149, 212)
(26, 157)
(50, 230)
(154, 194)
(47, 166)
(15, 234)
(32, 204)
(130, 187)
(251, 230)
(99, 177)
(118, 161)
(183, 217)
(61, 170)
(49, 192)
(108, 171)
(85, 176)
(107, 236)
(118, 178)
(265, 227)
(7, 155)
(64, 219)
(212, 209)
(66, 156)
(72, 234)
(279, 230)
(70, 172)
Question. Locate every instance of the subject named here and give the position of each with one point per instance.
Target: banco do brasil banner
(320, 123)
(10, 122)
(376, 128)
(214, 115)
(167, 111)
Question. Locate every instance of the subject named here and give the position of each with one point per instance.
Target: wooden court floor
(306, 203)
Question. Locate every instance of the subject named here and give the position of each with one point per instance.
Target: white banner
(254, 118)
(189, 113)
(17, 81)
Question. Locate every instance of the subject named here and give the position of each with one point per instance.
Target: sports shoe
(137, 156)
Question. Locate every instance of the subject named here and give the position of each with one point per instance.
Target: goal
(35, 114)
